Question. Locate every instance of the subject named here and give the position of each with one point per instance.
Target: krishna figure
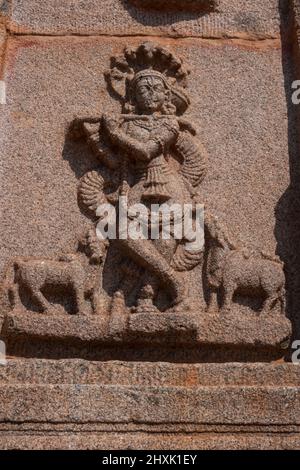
(152, 156)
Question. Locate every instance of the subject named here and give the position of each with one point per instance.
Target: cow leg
(40, 299)
(229, 289)
(268, 303)
(14, 296)
(213, 301)
(79, 299)
(273, 287)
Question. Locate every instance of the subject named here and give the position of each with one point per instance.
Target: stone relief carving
(34, 275)
(231, 267)
(137, 147)
(150, 153)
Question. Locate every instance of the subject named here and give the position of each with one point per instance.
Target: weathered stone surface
(157, 375)
(119, 17)
(165, 329)
(60, 221)
(92, 398)
(154, 374)
(97, 403)
(45, 221)
(2, 37)
(145, 440)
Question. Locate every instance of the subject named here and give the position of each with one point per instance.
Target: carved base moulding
(254, 337)
(146, 405)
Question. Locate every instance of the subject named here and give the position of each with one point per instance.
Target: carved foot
(145, 302)
(269, 308)
(184, 306)
(269, 313)
(145, 308)
(211, 310)
(212, 305)
(84, 311)
(54, 310)
(225, 310)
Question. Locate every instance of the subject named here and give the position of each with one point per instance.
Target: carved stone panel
(148, 290)
(115, 119)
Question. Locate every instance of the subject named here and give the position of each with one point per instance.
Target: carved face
(150, 94)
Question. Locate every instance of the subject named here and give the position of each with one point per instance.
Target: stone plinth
(99, 405)
(253, 336)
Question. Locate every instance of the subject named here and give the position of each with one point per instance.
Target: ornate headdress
(145, 60)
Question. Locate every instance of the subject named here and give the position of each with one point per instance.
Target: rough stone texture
(243, 58)
(154, 374)
(236, 18)
(47, 221)
(145, 440)
(167, 330)
(64, 403)
(2, 41)
(117, 405)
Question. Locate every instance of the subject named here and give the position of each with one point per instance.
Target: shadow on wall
(167, 12)
(287, 212)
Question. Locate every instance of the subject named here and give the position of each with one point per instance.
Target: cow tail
(9, 279)
(282, 300)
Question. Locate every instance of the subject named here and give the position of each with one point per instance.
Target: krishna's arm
(91, 130)
(134, 148)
